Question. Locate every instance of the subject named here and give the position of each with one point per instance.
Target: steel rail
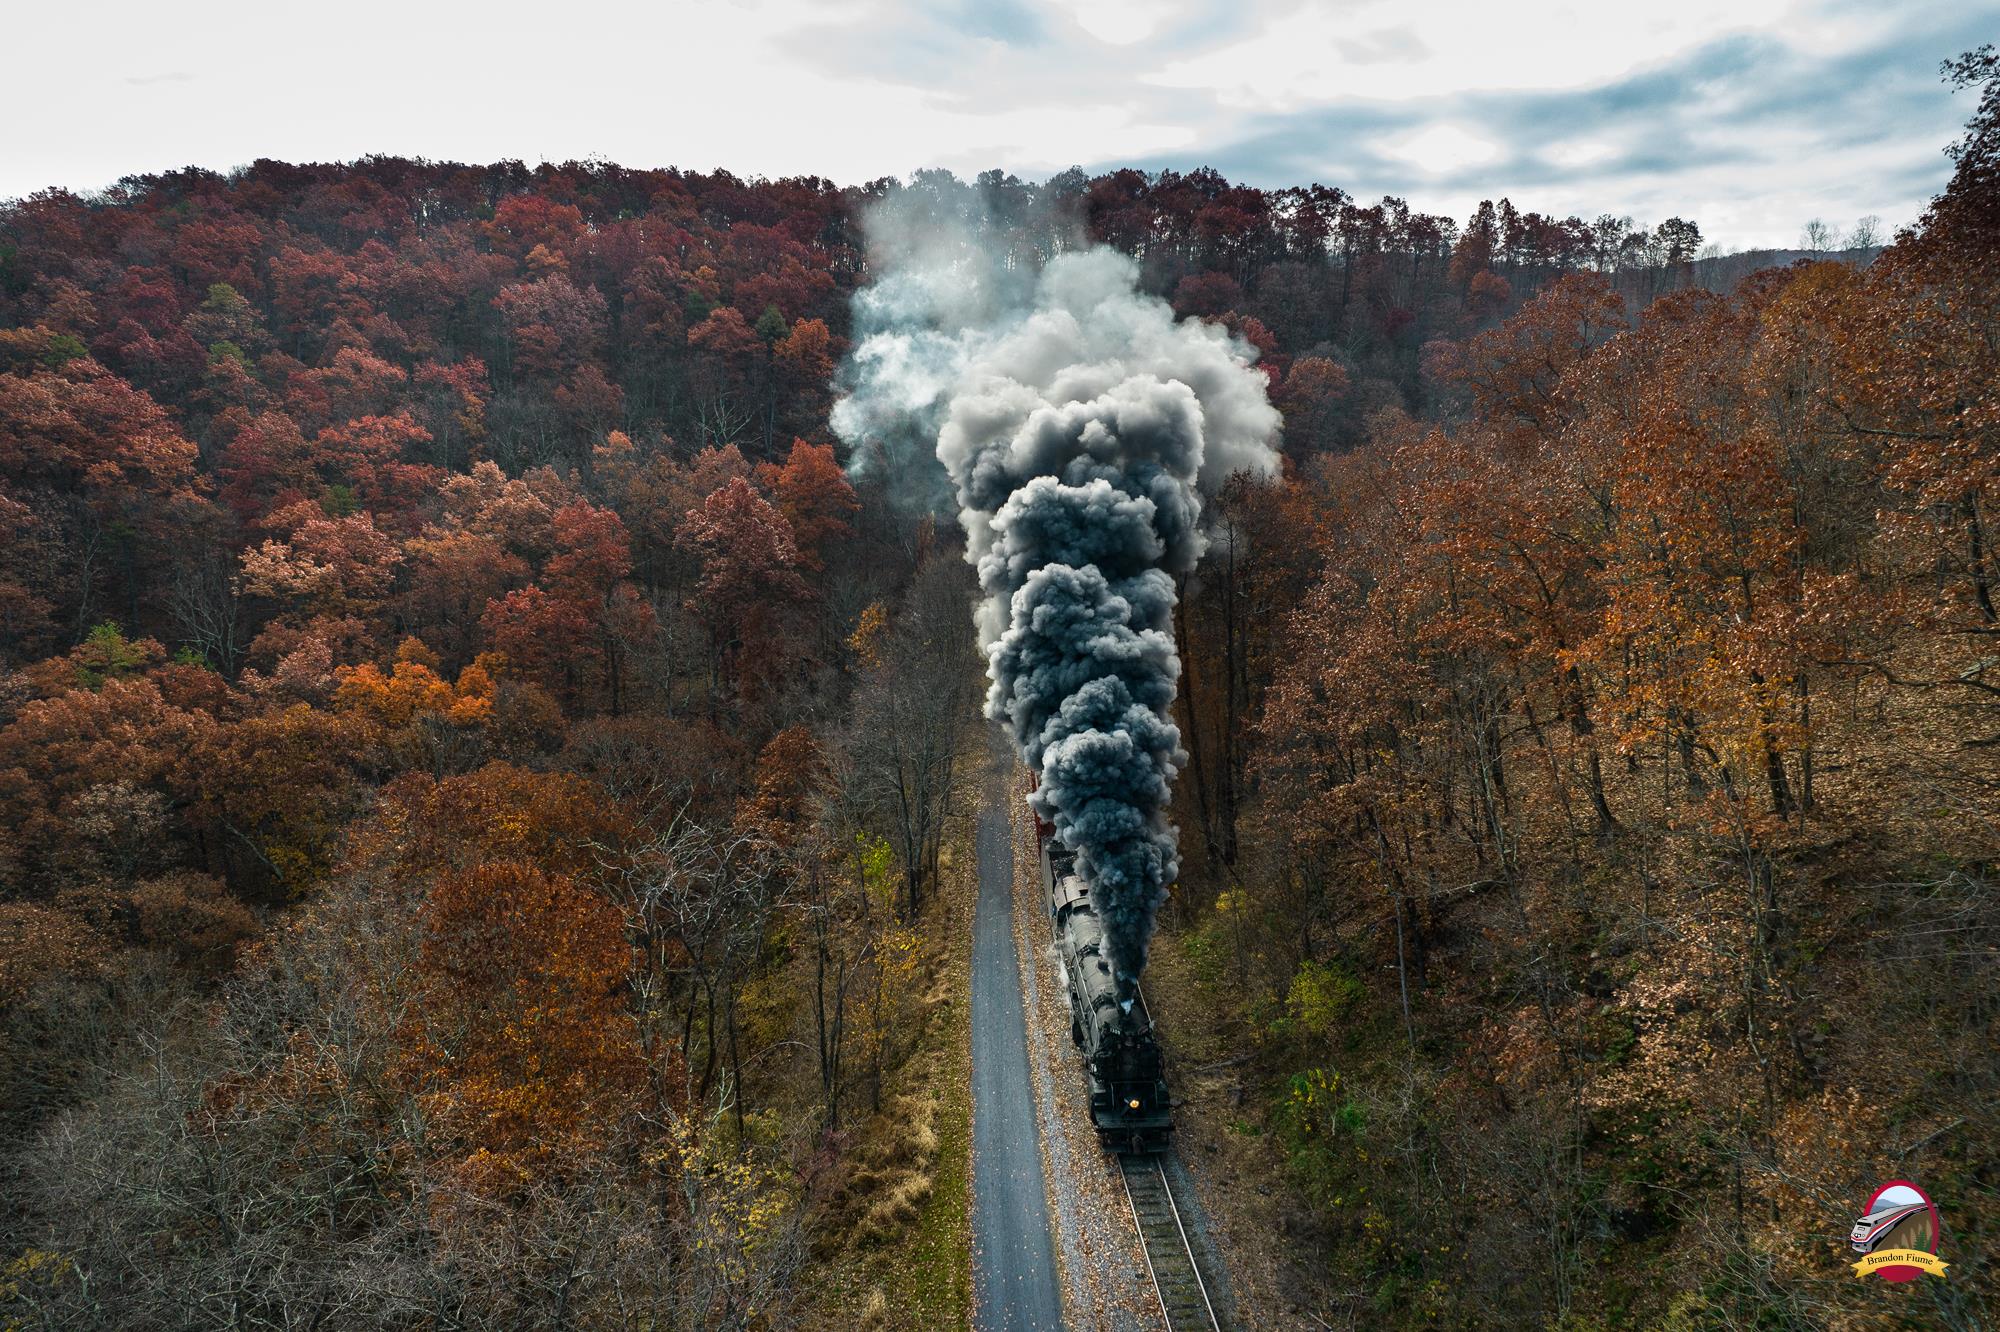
(1182, 1315)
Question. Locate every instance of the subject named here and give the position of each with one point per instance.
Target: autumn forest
(485, 771)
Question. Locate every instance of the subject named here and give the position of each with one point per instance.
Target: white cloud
(1441, 149)
(1576, 153)
(1376, 95)
(1306, 51)
(1117, 22)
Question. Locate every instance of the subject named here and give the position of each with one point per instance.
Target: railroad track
(1170, 1254)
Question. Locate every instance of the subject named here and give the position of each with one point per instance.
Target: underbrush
(895, 1235)
(1577, 1132)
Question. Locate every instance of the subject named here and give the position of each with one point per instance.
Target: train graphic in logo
(1896, 1235)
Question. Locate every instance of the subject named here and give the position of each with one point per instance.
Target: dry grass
(896, 1172)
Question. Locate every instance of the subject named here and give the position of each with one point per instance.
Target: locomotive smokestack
(1078, 431)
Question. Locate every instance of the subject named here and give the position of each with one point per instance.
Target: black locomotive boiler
(1129, 1102)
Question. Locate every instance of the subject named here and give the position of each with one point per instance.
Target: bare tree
(910, 711)
(700, 899)
(206, 605)
(260, 1165)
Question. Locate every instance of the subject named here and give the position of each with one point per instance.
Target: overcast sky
(1749, 116)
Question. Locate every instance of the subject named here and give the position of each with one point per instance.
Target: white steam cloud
(1078, 424)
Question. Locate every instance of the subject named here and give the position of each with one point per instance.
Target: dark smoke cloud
(1079, 426)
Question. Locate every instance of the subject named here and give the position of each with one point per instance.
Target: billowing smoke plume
(942, 286)
(1079, 428)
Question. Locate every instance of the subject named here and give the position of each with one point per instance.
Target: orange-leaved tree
(517, 1040)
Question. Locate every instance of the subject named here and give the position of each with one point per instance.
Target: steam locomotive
(1129, 1102)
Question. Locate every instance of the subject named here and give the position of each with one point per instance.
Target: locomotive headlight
(1134, 1103)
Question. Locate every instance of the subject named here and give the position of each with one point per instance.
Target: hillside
(483, 766)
